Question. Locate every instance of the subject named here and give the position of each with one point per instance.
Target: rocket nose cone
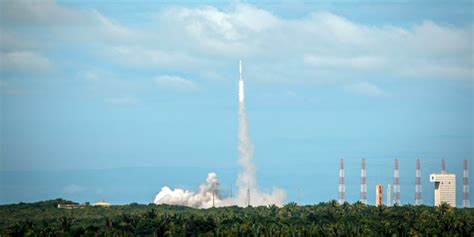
(240, 67)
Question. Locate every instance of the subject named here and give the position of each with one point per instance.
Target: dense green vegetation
(324, 219)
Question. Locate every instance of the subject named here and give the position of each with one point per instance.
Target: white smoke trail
(246, 179)
(248, 192)
(246, 182)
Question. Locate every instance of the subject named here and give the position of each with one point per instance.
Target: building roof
(442, 174)
(103, 204)
(442, 177)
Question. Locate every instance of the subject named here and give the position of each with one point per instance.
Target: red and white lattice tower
(396, 185)
(363, 183)
(418, 198)
(342, 187)
(465, 188)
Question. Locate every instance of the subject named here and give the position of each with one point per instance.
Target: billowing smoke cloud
(248, 192)
(208, 193)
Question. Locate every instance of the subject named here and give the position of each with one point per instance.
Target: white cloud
(11, 42)
(37, 13)
(428, 38)
(307, 48)
(327, 42)
(336, 28)
(112, 31)
(149, 58)
(23, 61)
(439, 71)
(27, 24)
(254, 19)
(209, 31)
(366, 89)
(122, 100)
(209, 23)
(175, 83)
(200, 22)
(62, 22)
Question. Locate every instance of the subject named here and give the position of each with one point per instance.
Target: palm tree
(65, 223)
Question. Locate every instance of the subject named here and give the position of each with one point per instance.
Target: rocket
(241, 84)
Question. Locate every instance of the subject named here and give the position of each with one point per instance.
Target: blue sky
(113, 100)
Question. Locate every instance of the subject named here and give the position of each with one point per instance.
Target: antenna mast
(443, 167)
(342, 187)
(396, 185)
(465, 189)
(363, 183)
(418, 200)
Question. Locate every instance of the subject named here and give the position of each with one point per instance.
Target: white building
(445, 188)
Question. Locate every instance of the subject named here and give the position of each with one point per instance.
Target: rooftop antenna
(363, 183)
(443, 167)
(342, 187)
(418, 200)
(396, 185)
(231, 191)
(465, 188)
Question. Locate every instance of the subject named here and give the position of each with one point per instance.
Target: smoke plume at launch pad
(247, 189)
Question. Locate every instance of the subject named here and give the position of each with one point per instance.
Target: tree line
(323, 219)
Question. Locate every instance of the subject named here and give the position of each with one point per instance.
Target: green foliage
(323, 219)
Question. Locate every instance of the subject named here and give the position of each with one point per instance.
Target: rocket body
(241, 84)
(241, 91)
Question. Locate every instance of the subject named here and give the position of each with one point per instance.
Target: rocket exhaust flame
(208, 194)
